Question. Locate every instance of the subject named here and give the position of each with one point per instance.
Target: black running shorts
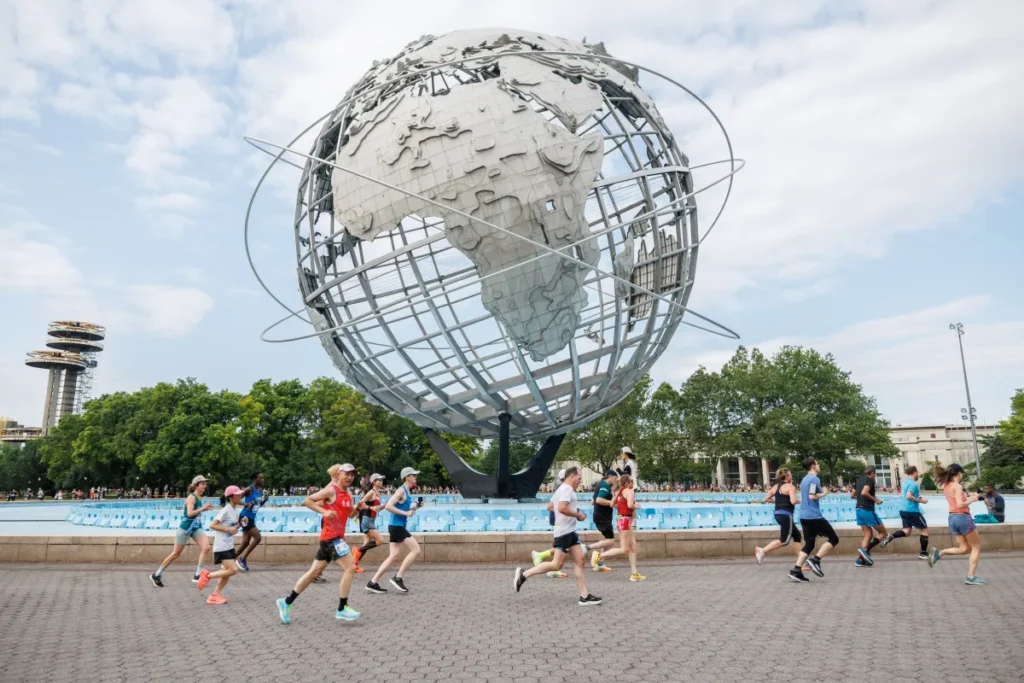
(566, 542)
(398, 533)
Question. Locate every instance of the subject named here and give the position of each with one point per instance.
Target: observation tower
(71, 367)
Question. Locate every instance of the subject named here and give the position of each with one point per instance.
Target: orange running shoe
(204, 578)
(359, 570)
(216, 599)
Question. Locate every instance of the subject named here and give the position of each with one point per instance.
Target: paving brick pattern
(726, 620)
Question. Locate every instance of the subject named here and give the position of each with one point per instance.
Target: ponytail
(942, 474)
(223, 500)
(190, 489)
(780, 475)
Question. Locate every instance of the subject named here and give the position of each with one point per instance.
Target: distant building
(12, 432)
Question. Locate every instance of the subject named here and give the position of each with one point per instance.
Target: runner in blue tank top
(401, 507)
(253, 498)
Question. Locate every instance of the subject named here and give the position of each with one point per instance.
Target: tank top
(251, 503)
(951, 499)
(622, 505)
(367, 512)
(404, 506)
(782, 501)
(190, 523)
(335, 527)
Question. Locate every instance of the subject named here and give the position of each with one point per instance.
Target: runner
(867, 518)
(254, 498)
(961, 525)
(625, 503)
(401, 507)
(566, 541)
(814, 524)
(546, 555)
(910, 512)
(603, 520)
(334, 502)
(191, 526)
(225, 525)
(369, 504)
(786, 498)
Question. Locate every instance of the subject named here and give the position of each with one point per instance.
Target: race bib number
(341, 548)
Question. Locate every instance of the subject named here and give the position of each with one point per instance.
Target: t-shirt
(564, 524)
(912, 488)
(998, 507)
(222, 541)
(810, 509)
(863, 502)
(603, 513)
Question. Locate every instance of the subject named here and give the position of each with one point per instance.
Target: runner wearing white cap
(191, 526)
(540, 556)
(368, 506)
(401, 507)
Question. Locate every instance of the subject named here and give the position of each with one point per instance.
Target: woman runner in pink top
(961, 525)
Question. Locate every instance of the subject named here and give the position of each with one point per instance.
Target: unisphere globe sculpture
(496, 233)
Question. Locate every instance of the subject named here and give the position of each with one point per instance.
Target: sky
(880, 202)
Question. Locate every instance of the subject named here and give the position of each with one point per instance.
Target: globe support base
(522, 485)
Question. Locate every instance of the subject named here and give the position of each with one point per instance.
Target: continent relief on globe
(482, 150)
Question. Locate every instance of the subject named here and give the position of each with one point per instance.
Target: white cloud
(171, 201)
(168, 311)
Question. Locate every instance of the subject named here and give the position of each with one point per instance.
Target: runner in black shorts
(401, 507)
(603, 520)
(786, 498)
(910, 512)
(814, 524)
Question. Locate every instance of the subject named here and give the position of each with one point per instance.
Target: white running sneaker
(536, 557)
(759, 554)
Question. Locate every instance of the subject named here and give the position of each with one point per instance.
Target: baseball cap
(407, 471)
(561, 475)
(232, 491)
(334, 469)
(627, 449)
(198, 478)
(374, 477)
(611, 473)
(956, 468)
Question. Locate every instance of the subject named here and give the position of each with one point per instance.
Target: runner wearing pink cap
(224, 526)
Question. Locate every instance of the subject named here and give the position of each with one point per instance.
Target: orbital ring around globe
(540, 226)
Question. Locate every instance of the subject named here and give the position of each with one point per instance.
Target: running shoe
(588, 600)
(204, 578)
(319, 579)
(866, 556)
(637, 577)
(399, 585)
(195, 578)
(934, 557)
(557, 575)
(595, 560)
(216, 600)
(860, 563)
(814, 564)
(602, 567)
(375, 588)
(759, 554)
(284, 610)
(976, 581)
(155, 580)
(359, 570)
(536, 557)
(798, 576)
(887, 540)
(518, 579)
(347, 614)
(923, 556)
(243, 565)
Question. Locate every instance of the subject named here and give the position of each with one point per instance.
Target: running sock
(871, 545)
(898, 534)
(291, 598)
(159, 572)
(367, 546)
(199, 569)
(342, 602)
(924, 544)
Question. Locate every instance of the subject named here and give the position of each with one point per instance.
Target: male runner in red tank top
(334, 502)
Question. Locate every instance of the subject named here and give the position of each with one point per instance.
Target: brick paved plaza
(725, 620)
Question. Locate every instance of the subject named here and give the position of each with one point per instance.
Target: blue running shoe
(866, 556)
(860, 563)
(243, 565)
(348, 614)
(285, 610)
(976, 581)
(934, 557)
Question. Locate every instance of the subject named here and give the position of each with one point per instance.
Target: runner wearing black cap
(369, 504)
(603, 520)
(401, 507)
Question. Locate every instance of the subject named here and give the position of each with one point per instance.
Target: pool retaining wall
(470, 547)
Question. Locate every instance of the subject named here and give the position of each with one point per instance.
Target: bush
(928, 484)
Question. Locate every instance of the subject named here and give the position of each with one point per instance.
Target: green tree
(710, 420)
(21, 468)
(1012, 428)
(596, 445)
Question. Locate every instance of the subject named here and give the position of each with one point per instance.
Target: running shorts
(566, 542)
(181, 536)
(222, 555)
(624, 523)
(913, 520)
(398, 533)
(367, 524)
(960, 524)
(868, 518)
(788, 530)
(247, 524)
(326, 552)
(605, 527)
(813, 528)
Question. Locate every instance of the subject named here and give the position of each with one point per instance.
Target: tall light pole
(959, 329)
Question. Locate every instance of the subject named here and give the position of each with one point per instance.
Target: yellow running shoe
(557, 575)
(637, 577)
(595, 561)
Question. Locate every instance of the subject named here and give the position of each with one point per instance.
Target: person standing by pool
(625, 503)
(867, 519)
(628, 465)
(784, 493)
(566, 542)
(814, 524)
(334, 503)
(401, 507)
(910, 512)
(224, 526)
(191, 526)
(253, 499)
(368, 506)
(603, 507)
(961, 525)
